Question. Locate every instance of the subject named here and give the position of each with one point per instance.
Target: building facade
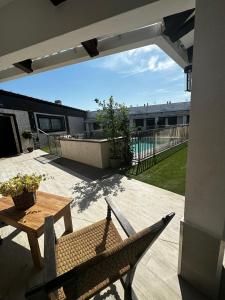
(149, 116)
(20, 114)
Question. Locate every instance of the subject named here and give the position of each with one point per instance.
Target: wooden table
(32, 220)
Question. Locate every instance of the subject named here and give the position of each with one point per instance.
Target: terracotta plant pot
(25, 200)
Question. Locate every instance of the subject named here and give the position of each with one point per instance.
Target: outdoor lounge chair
(81, 264)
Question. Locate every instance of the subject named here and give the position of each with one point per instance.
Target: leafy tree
(115, 121)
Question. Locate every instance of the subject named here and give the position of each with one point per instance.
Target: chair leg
(128, 292)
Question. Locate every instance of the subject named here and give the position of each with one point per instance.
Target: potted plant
(28, 135)
(22, 188)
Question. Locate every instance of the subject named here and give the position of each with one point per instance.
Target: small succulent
(21, 183)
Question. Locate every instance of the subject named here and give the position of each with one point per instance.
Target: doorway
(8, 136)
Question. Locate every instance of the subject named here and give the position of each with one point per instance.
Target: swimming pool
(146, 146)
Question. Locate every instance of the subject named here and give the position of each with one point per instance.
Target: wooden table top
(33, 218)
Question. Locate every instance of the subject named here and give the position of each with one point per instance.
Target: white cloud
(155, 64)
(149, 58)
(144, 49)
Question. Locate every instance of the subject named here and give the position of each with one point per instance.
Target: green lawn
(46, 149)
(168, 174)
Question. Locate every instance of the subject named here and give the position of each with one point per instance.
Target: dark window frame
(139, 122)
(96, 126)
(172, 120)
(50, 117)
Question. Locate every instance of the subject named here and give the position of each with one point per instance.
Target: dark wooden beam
(174, 21)
(25, 65)
(188, 69)
(178, 25)
(91, 46)
(57, 2)
(190, 54)
(184, 29)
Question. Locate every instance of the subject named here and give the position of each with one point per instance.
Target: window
(188, 119)
(161, 121)
(172, 120)
(139, 122)
(51, 123)
(150, 123)
(96, 126)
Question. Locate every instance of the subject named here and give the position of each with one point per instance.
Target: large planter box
(94, 153)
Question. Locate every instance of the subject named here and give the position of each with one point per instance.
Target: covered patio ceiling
(42, 35)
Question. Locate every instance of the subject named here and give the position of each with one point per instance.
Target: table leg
(68, 220)
(35, 250)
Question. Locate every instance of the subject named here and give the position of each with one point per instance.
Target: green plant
(21, 183)
(115, 121)
(108, 116)
(125, 131)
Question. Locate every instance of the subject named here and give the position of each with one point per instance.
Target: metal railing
(53, 142)
(146, 144)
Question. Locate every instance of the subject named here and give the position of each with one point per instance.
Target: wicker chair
(81, 264)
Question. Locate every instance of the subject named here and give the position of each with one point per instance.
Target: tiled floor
(156, 276)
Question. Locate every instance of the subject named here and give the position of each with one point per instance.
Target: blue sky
(133, 77)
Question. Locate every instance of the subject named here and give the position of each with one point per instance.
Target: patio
(143, 204)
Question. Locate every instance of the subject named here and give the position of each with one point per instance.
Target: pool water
(145, 145)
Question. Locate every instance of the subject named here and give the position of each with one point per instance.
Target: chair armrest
(129, 230)
(49, 249)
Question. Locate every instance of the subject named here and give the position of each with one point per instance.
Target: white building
(150, 116)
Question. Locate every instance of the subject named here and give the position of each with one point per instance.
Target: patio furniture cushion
(81, 246)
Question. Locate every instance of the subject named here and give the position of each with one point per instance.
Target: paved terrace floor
(143, 204)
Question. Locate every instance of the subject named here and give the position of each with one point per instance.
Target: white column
(202, 231)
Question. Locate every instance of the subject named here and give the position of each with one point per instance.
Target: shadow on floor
(188, 292)
(81, 171)
(86, 193)
(17, 272)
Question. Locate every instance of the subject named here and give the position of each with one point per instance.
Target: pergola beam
(123, 42)
(190, 54)
(25, 65)
(178, 25)
(57, 2)
(173, 22)
(183, 30)
(91, 46)
(49, 30)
